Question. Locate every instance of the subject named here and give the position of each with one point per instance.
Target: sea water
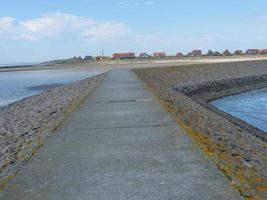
(17, 85)
(249, 106)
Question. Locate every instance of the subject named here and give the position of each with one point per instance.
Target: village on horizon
(193, 53)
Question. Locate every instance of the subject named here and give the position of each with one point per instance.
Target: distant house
(88, 58)
(179, 55)
(217, 53)
(263, 51)
(159, 55)
(210, 53)
(77, 59)
(144, 55)
(99, 58)
(252, 51)
(129, 55)
(238, 52)
(227, 53)
(196, 53)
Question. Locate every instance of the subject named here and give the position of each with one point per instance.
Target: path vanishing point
(119, 145)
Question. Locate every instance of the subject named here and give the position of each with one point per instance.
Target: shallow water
(16, 64)
(17, 85)
(250, 107)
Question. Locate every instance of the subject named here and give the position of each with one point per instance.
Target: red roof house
(124, 55)
(159, 55)
(263, 51)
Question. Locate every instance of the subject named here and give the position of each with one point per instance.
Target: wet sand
(45, 87)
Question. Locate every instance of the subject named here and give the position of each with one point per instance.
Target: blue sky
(40, 30)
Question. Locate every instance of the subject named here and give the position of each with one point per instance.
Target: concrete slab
(120, 144)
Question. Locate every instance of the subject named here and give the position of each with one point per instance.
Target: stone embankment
(238, 149)
(204, 92)
(24, 125)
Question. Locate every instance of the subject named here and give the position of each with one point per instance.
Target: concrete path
(119, 145)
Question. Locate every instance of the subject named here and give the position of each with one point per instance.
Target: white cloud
(52, 25)
(6, 24)
(106, 30)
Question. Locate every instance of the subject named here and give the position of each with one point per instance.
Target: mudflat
(45, 87)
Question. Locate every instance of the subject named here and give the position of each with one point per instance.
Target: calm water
(15, 86)
(250, 107)
(16, 64)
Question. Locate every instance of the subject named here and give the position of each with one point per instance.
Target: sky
(42, 30)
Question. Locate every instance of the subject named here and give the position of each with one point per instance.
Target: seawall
(237, 149)
(24, 125)
(204, 92)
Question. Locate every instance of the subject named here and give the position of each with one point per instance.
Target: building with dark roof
(159, 55)
(196, 53)
(252, 51)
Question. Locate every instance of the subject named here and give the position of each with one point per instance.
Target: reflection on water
(250, 107)
(15, 86)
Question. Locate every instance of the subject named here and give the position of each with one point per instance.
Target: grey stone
(119, 147)
(26, 124)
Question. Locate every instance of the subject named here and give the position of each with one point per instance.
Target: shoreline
(131, 64)
(46, 87)
(25, 124)
(235, 149)
(203, 94)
